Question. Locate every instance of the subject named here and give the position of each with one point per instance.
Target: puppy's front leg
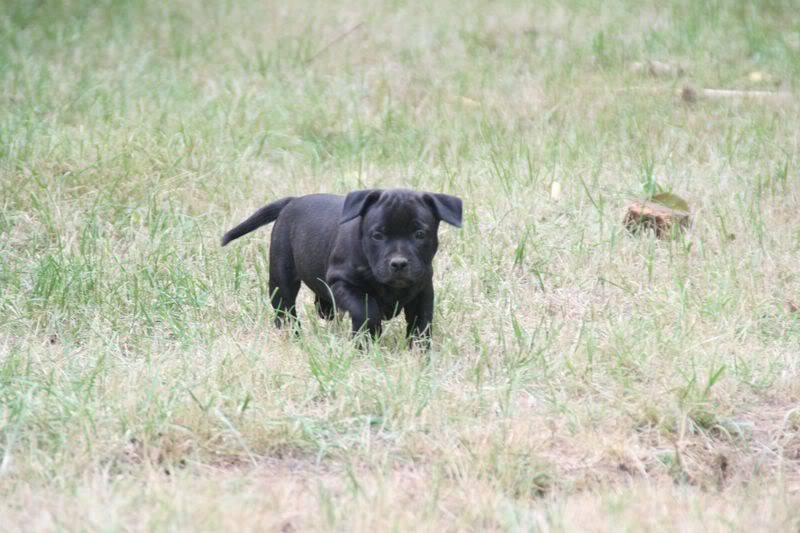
(419, 315)
(363, 308)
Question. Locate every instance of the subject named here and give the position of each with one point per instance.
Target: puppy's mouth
(400, 283)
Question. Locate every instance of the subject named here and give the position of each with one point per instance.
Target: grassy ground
(582, 378)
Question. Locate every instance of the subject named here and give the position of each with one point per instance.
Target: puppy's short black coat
(369, 253)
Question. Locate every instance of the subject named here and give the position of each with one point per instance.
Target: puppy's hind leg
(284, 283)
(283, 299)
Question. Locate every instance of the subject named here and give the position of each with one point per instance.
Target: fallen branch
(687, 93)
(690, 94)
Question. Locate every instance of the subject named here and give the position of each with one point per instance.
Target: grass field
(581, 377)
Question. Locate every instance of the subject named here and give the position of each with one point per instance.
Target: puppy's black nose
(398, 264)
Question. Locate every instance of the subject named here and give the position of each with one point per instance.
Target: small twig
(331, 43)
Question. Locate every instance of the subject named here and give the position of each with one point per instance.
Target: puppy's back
(310, 224)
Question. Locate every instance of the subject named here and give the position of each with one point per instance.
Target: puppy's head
(399, 231)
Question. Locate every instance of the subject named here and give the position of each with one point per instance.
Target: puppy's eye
(420, 234)
(377, 236)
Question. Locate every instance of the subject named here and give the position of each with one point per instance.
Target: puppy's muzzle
(400, 272)
(399, 265)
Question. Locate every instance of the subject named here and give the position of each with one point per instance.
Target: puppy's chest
(391, 301)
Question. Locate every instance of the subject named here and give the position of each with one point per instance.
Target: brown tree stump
(664, 221)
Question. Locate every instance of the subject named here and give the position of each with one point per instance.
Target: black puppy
(369, 253)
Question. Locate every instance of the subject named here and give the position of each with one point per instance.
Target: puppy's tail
(262, 217)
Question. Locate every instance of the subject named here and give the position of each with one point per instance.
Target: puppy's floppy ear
(445, 207)
(357, 202)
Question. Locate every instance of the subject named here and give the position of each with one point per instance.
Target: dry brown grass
(583, 378)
